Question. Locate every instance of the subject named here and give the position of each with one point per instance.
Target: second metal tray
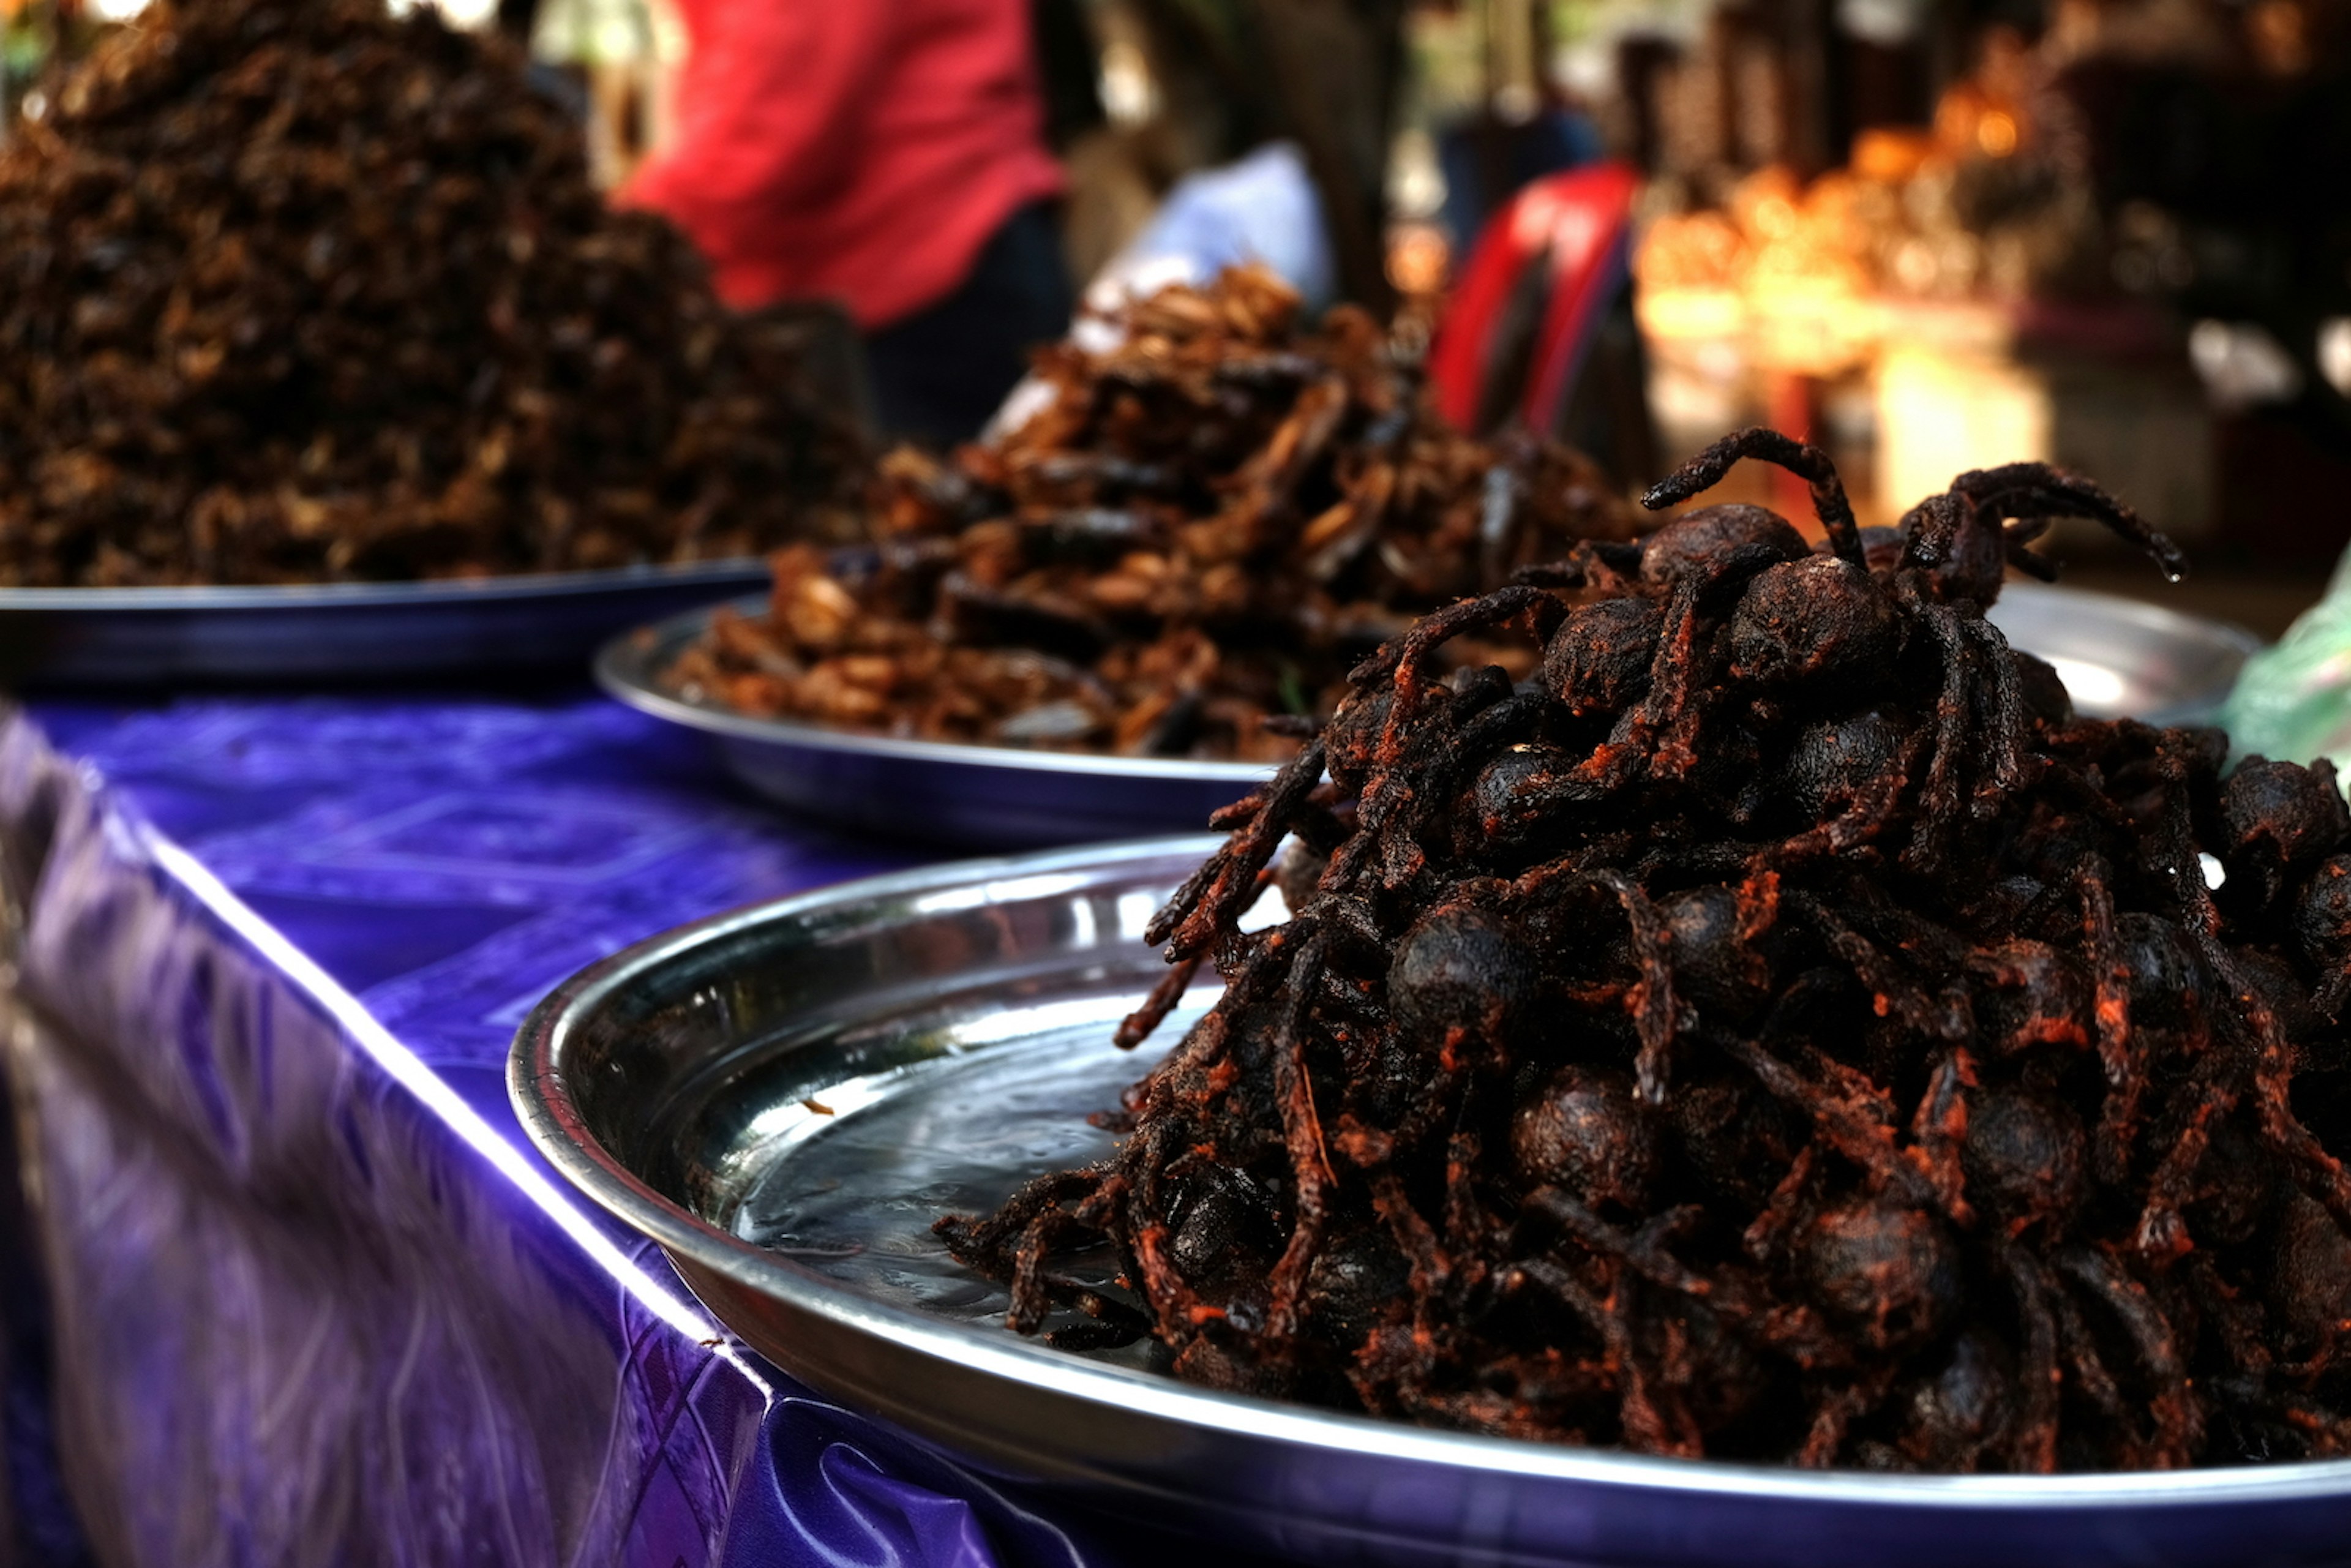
(2118, 657)
(340, 632)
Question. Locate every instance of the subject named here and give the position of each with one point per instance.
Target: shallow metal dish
(979, 797)
(784, 1098)
(2118, 657)
(341, 630)
(2124, 658)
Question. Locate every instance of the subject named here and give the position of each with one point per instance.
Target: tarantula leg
(2178, 1416)
(1852, 1128)
(1651, 1000)
(1938, 1128)
(2006, 725)
(1833, 1417)
(1401, 657)
(2039, 490)
(1033, 1296)
(2118, 1119)
(1652, 1262)
(1808, 463)
(2088, 1372)
(1938, 799)
(2162, 1233)
(1310, 1161)
(1636, 1409)
(1136, 1027)
(1872, 811)
(1796, 1332)
(2326, 1434)
(1586, 564)
(1432, 1268)
(1891, 990)
(1785, 1206)
(1192, 919)
(2316, 1171)
(2237, 1324)
(2033, 1447)
(1467, 1225)
(1176, 1307)
(992, 1234)
(2016, 545)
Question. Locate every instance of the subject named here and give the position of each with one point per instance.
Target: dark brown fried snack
(290, 290)
(1779, 1030)
(1205, 524)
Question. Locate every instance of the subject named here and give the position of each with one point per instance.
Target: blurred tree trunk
(517, 19)
(1325, 73)
(1335, 66)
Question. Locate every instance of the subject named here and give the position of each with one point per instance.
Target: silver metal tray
(978, 797)
(2124, 658)
(341, 630)
(2119, 657)
(785, 1098)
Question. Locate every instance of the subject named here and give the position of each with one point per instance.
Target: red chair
(1537, 284)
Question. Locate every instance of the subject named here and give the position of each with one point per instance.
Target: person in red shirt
(887, 154)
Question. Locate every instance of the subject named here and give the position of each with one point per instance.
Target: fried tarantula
(1781, 1029)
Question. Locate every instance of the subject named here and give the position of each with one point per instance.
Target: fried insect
(1203, 524)
(291, 290)
(1776, 1028)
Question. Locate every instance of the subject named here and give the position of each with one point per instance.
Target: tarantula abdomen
(1891, 1274)
(1224, 1224)
(2233, 1191)
(1833, 760)
(1461, 967)
(1714, 965)
(2029, 994)
(2322, 915)
(1702, 537)
(1521, 794)
(1359, 1281)
(1598, 661)
(2279, 814)
(1807, 619)
(1351, 738)
(2311, 1273)
(1581, 1130)
(2023, 1154)
(1734, 1139)
(2167, 984)
(1952, 1417)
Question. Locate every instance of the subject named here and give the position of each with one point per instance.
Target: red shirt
(857, 150)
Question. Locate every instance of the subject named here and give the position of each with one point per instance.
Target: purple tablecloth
(311, 1300)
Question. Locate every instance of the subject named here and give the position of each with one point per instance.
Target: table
(312, 1297)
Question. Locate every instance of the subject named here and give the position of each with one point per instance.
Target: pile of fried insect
(1781, 1029)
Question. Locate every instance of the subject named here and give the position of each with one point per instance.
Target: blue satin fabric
(309, 1300)
(830, 1488)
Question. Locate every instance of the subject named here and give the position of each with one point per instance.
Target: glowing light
(2095, 689)
(1996, 133)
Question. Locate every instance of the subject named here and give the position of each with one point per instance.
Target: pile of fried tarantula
(1779, 1029)
(1207, 520)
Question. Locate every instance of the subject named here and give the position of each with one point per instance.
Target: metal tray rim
(183, 599)
(621, 669)
(2144, 611)
(536, 1084)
